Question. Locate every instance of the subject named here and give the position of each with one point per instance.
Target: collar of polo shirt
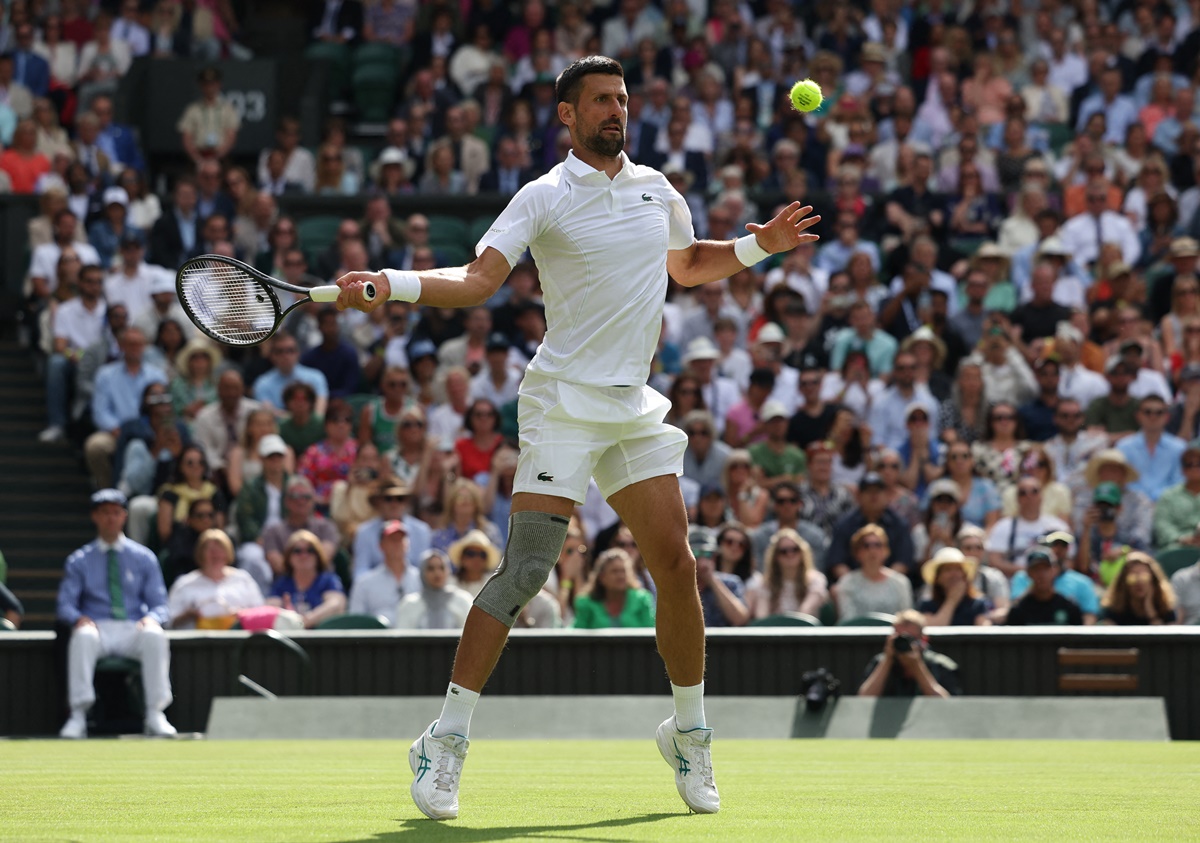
(583, 170)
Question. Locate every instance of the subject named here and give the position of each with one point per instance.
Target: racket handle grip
(329, 292)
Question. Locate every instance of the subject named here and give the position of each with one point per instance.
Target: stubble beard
(609, 146)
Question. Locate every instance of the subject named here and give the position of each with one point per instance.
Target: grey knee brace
(535, 540)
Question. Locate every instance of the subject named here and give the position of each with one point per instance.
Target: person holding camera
(1103, 540)
(907, 667)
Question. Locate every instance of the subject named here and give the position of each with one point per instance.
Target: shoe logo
(646, 197)
(684, 767)
(546, 478)
(424, 766)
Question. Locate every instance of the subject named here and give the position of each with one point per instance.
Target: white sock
(456, 712)
(689, 706)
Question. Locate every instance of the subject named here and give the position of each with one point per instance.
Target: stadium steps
(43, 491)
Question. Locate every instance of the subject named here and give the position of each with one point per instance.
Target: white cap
(116, 196)
(270, 444)
(392, 155)
(701, 348)
(770, 332)
(162, 283)
(773, 410)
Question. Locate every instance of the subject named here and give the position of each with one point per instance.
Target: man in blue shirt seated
(722, 596)
(112, 594)
(285, 360)
(1152, 451)
(1068, 583)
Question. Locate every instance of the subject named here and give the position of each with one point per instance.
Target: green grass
(134, 790)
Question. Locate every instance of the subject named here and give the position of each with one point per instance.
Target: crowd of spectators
(993, 351)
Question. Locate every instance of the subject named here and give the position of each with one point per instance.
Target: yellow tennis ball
(806, 95)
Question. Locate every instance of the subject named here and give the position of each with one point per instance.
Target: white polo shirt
(601, 250)
(79, 326)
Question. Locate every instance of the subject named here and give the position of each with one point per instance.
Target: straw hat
(197, 345)
(949, 556)
(475, 538)
(926, 334)
(1108, 456)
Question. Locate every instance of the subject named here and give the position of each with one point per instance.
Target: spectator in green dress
(613, 598)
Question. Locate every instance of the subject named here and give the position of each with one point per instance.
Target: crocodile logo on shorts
(546, 478)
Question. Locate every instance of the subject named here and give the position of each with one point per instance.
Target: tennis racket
(236, 304)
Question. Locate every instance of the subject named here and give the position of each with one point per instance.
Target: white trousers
(89, 644)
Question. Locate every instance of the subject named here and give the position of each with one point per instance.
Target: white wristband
(406, 286)
(748, 251)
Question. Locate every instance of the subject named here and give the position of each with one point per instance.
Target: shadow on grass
(424, 829)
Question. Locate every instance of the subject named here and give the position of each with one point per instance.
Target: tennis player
(605, 233)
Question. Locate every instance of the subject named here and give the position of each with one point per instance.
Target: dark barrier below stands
(992, 662)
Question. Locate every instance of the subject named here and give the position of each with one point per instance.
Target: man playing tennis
(605, 233)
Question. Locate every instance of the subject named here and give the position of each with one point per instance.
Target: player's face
(600, 115)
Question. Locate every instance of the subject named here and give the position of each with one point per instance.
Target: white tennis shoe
(436, 765)
(690, 755)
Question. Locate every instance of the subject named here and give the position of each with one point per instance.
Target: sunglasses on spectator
(302, 496)
(894, 465)
(733, 540)
(412, 423)
(699, 431)
(395, 498)
(971, 547)
(203, 513)
(403, 384)
(960, 456)
(784, 501)
(1004, 417)
(810, 382)
(1025, 493)
(1066, 415)
(304, 548)
(944, 499)
(1154, 411)
(790, 550)
(870, 544)
(474, 553)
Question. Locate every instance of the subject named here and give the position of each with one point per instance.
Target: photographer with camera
(907, 667)
(1103, 540)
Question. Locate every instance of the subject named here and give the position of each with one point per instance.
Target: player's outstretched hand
(787, 230)
(353, 284)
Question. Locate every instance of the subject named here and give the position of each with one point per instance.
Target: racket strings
(227, 302)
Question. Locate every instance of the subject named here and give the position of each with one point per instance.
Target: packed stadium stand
(977, 396)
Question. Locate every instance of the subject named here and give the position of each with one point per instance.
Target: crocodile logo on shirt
(646, 197)
(546, 478)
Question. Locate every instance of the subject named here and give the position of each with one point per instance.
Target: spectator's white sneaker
(157, 725)
(689, 754)
(52, 435)
(436, 765)
(75, 729)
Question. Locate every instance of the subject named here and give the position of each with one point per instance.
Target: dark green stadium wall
(995, 662)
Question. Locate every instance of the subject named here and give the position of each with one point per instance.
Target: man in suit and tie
(177, 232)
(30, 69)
(113, 597)
(117, 141)
(508, 176)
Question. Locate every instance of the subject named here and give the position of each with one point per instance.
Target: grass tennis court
(131, 790)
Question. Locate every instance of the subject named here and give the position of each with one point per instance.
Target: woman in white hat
(955, 602)
(475, 558)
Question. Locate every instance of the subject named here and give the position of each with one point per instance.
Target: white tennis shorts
(570, 433)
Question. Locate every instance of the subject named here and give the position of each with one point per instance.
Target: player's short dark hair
(566, 87)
